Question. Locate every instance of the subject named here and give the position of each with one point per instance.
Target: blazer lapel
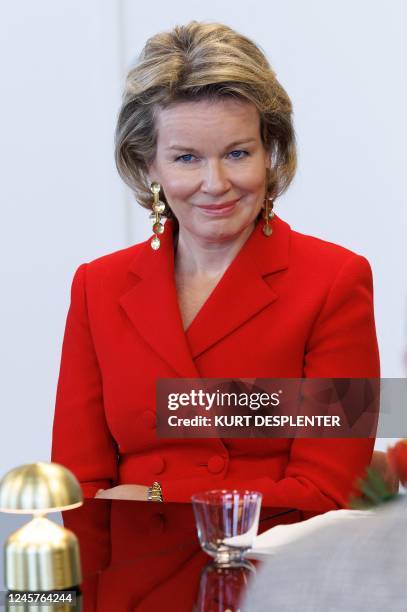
(152, 306)
(243, 290)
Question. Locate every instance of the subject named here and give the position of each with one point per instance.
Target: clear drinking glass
(227, 523)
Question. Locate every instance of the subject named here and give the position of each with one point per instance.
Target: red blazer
(288, 306)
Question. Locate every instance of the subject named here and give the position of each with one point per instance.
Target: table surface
(146, 556)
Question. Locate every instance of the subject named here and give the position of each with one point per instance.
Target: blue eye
(238, 154)
(187, 158)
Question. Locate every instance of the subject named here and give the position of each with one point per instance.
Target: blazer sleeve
(321, 473)
(81, 438)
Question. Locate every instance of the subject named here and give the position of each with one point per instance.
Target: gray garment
(358, 566)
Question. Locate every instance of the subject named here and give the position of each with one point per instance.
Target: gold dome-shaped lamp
(41, 555)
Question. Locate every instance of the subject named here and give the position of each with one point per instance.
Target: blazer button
(157, 465)
(149, 419)
(216, 464)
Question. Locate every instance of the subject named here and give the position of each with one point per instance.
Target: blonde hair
(194, 62)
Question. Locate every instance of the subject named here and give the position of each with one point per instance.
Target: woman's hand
(130, 491)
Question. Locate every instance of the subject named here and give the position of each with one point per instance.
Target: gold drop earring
(268, 215)
(158, 210)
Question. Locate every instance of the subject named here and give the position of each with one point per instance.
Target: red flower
(397, 457)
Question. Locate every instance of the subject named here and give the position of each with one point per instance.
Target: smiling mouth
(217, 209)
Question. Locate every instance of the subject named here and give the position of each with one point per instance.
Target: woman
(222, 290)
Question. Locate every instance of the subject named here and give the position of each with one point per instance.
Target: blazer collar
(242, 292)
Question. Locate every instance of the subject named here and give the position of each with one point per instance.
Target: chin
(222, 228)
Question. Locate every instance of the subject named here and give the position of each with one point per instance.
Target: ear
(152, 171)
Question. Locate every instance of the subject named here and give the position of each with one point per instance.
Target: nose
(214, 179)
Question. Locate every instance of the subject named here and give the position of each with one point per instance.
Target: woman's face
(212, 165)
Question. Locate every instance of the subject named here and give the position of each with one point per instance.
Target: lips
(218, 208)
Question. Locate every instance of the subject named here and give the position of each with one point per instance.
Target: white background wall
(62, 203)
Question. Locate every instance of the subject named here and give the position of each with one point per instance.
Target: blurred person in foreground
(351, 567)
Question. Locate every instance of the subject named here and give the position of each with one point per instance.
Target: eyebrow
(178, 147)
